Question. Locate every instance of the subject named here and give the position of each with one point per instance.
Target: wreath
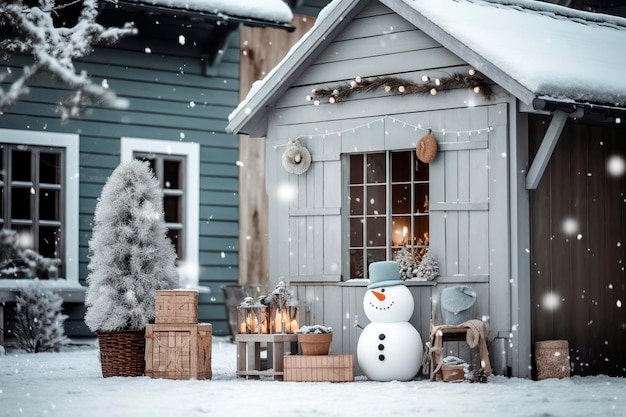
(297, 158)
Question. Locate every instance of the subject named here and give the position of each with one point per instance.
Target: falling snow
(570, 226)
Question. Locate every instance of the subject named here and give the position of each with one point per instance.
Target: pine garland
(400, 86)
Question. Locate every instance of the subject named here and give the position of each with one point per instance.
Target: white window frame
(71, 185)
(189, 273)
(389, 246)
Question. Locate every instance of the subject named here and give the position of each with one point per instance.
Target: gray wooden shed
(478, 186)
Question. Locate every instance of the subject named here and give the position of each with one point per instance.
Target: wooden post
(1, 324)
(261, 50)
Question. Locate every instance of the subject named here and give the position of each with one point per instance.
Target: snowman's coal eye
(383, 290)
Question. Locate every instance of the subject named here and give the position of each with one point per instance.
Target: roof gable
(531, 49)
(250, 115)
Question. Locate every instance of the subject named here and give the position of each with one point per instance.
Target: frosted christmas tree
(131, 256)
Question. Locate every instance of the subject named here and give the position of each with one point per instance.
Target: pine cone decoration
(479, 376)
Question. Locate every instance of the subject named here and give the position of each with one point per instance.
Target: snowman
(389, 348)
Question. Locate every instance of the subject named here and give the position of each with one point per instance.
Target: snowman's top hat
(384, 274)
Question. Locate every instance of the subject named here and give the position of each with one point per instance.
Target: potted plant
(315, 339)
(130, 258)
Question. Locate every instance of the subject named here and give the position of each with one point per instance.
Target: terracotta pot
(315, 344)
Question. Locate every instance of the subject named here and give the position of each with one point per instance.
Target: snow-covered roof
(553, 51)
(533, 49)
(270, 10)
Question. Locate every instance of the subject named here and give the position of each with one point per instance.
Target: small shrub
(39, 326)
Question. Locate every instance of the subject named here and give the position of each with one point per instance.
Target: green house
(181, 75)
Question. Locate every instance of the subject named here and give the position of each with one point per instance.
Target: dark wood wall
(578, 255)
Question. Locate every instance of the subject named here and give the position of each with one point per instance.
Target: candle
(279, 319)
(294, 326)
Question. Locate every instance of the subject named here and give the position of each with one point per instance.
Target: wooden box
(176, 306)
(178, 351)
(453, 373)
(320, 368)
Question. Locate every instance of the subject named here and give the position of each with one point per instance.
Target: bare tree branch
(54, 49)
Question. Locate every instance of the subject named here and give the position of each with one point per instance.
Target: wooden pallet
(322, 368)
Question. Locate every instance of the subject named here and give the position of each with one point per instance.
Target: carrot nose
(379, 295)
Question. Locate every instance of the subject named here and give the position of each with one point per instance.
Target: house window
(388, 199)
(177, 166)
(39, 199)
(169, 169)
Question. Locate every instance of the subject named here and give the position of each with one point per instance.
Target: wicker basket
(315, 344)
(122, 353)
(552, 359)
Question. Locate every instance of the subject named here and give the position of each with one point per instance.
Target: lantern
(284, 318)
(252, 317)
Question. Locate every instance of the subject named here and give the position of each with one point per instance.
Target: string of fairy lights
(367, 125)
(397, 86)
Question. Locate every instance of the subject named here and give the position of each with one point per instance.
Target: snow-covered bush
(16, 262)
(131, 256)
(39, 319)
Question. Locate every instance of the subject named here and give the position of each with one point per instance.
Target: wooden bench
(249, 354)
(474, 332)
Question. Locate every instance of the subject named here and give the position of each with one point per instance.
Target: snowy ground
(70, 384)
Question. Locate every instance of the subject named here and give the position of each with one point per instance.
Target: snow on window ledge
(360, 282)
(71, 291)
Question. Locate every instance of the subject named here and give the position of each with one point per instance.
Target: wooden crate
(322, 368)
(176, 306)
(178, 351)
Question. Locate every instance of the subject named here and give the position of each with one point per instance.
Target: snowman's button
(381, 347)
(381, 357)
(381, 336)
